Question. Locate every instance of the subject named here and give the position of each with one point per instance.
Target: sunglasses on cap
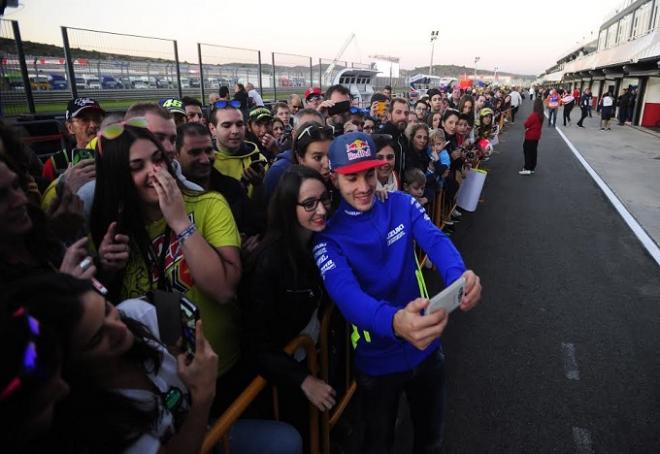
(115, 130)
(222, 104)
(29, 366)
(315, 132)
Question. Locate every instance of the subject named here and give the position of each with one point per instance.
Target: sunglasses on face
(113, 131)
(223, 104)
(29, 366)
(310, 205)
(315, 98)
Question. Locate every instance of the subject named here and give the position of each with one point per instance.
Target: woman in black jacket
(282, 292)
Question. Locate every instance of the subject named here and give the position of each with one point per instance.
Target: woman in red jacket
(533, 126)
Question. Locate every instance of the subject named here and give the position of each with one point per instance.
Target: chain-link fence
(227, 66)
(119, 70)
(291, 74)
(15, 80)
(104, 65)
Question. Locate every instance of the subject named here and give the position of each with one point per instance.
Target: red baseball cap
(313, 91)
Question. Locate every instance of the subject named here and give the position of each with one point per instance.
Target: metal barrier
(97, 62)
(225, 65)
(15, 84)
(119, 69)
(220, 429)
(291, 73)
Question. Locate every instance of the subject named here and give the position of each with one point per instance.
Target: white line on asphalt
(637, 229)
(582, 439)
(570, 363)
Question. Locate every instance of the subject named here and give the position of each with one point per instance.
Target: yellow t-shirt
(214, 221)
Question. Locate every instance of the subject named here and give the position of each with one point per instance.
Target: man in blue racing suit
(367, 259)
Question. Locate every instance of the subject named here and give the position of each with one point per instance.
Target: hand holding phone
(189, 317)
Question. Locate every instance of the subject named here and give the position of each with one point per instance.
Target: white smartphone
(448, 299)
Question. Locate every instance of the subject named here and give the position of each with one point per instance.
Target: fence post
(201, 72)
(178, 70)
(311, 72)
(274, 78)
(261, 89)
(24, 70)
(69, 63)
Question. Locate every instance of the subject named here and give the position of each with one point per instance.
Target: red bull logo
(358, 149)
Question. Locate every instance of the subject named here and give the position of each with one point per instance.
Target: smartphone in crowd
(189, 316)
(339, 108)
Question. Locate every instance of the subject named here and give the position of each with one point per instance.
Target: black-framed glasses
(315, 98)
(222, 104)
(312, 203)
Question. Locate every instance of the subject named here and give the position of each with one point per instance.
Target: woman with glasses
(128, 392)
(150, 234)
(282, 292)
(369, 126)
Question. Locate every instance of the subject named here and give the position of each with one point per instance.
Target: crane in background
(332, 65)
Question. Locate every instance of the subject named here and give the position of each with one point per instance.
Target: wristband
(186, 233)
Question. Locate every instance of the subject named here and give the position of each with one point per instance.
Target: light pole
(495, 75)
(434, 36)
(476, 60)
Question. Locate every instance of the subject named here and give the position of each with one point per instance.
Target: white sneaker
(524, 172)
(456, 213)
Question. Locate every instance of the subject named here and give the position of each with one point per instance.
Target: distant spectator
(82, 119)
(516, 101)
(295, 104)
(369, 125)
(223, 93)
(420, 110)
(193, 108)
(606, 111)
(387, 91)
(241, 95)
(396, 127)
(281, 110)
(552, 102)
(254, 95)
(533, 127)
(213, 97)
(175, 107)
(313, 98)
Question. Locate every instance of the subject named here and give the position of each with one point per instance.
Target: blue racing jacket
(367, 261)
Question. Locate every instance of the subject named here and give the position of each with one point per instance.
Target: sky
(523, 37)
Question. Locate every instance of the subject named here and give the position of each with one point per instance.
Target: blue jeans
(261, 436)
(425, 389)
(552, 116)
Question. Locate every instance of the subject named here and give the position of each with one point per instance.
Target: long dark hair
(538, 109)
(283, 228)
(91, 418)
(116, 197)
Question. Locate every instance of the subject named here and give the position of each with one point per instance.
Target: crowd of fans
(608, 105)
(260, 217)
